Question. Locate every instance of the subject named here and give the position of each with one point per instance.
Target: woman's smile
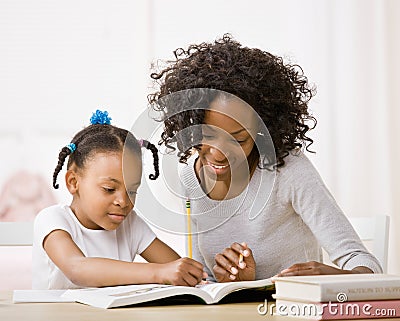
(218, 169)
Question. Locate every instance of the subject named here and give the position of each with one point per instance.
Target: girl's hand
(183, 271)
(315, 268)
(228, 268)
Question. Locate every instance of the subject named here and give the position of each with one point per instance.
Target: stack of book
(346, 296)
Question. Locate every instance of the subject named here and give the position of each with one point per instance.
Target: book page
(137, 290)
(218, 290)
(212, 288)
(131, 294)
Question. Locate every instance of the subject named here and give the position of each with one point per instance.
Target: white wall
(61, 60)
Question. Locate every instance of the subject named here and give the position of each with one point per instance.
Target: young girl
(93, 241)
(257, 214)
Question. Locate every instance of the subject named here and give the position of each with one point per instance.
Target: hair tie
(71, 147)
(143, 143)
(100, 117)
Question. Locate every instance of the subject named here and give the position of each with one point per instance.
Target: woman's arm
(98, 272)
(315, 268)
(311, 199)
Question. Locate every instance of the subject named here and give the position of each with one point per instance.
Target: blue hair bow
(71, 147)
(100, 117)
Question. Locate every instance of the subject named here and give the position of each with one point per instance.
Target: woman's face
(228, 138)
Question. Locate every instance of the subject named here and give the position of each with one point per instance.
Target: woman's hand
(316, 268)
(183, 271)
(228, 268)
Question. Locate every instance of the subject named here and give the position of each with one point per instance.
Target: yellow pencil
(240, 258)
(189, 229)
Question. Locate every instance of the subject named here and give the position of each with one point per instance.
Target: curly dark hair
(278, 92)
(101, 138)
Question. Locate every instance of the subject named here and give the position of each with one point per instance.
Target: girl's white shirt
(132, 237)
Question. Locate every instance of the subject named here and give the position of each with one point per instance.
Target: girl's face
(100, 198)
(228, 138)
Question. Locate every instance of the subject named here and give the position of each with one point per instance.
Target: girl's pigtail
(146, 144)
(65, 151)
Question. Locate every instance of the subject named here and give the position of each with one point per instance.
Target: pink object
(15, 268)
(373, 309)
(23, 195)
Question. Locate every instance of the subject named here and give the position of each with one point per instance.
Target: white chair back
(376, 230)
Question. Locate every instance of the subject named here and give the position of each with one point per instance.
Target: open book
(110, 297)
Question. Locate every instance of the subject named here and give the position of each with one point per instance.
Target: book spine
(359, 292)
(362, 310)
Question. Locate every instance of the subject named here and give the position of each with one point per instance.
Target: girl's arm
(159, 252)
(98, 272)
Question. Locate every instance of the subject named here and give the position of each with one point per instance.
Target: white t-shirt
(132, 237)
